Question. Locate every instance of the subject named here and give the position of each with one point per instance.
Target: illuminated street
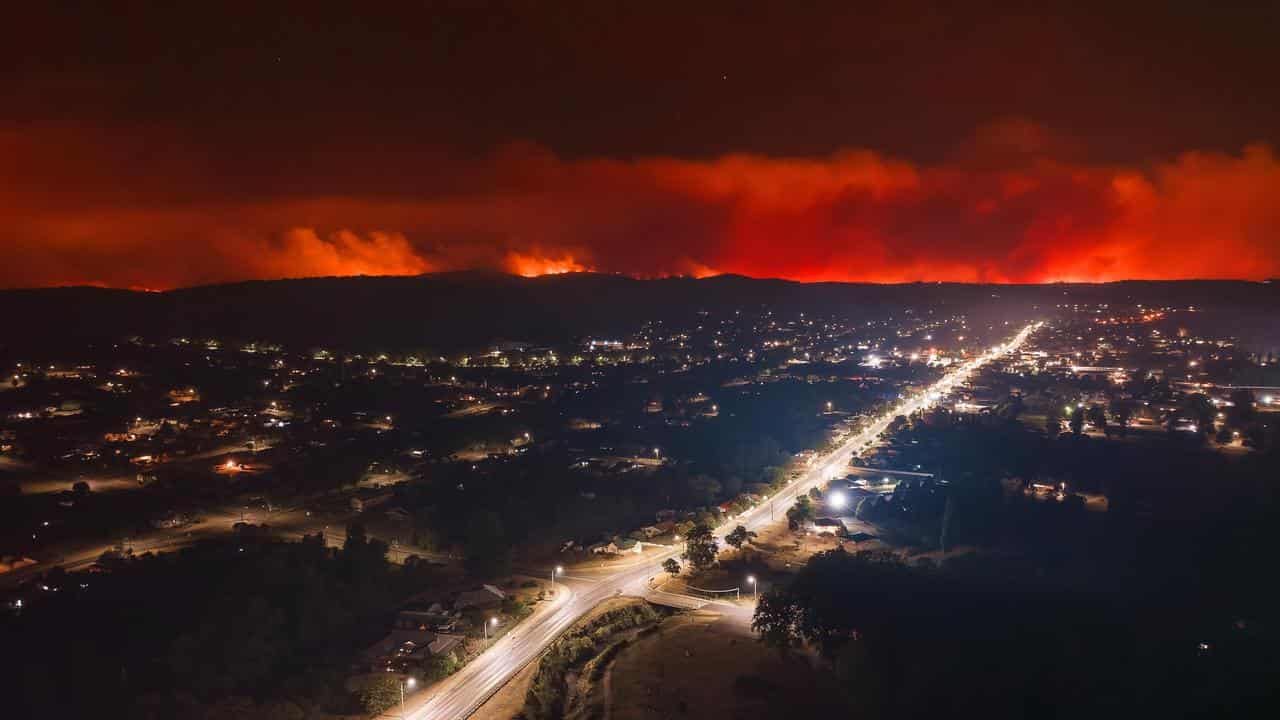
(640, 361)
(459, 696)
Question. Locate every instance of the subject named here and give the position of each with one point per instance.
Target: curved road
(458, 696)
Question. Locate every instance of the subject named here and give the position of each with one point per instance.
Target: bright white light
(410, 682)
(837, 500)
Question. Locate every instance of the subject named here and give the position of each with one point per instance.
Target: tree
(776, 619)
(800, 512)
(380, 693)
(356, 538)
(1053, 421)
(363, 557)
(738, 536)
(1098, 417)
(515, 608)
(671, 567)
(1077, 420)
(442, 666)
(1201, 410)
(703, 490)
(1122, 411)
(815, 494)
(1242, 407)
(80, 488)
(1011, 408)
(700, 547)
(487, 551)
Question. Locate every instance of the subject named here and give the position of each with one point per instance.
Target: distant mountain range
(447, 311)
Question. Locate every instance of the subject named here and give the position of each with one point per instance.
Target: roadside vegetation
(248, 629)
(582, 653)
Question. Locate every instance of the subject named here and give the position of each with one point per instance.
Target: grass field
(696, 667)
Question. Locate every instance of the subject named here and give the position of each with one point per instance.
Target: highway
(458, 696)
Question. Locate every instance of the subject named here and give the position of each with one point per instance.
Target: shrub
(546, 695)
(380, 693)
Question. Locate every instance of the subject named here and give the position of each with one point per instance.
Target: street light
(836, 500)
(751, 579)
(557, 570)
(491, 621)
(409, 683)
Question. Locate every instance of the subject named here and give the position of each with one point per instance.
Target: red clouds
(1004, 210)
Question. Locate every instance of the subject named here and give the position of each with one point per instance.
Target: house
(444, 644)
(647, 532)
(429, 620)
(607, 547)
(832, 526)
(628, 545)
(407, 650)
(483, 597)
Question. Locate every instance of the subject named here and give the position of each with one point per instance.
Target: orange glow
(531, 266)
(853, 215)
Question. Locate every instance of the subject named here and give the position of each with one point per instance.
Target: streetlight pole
(408, 682)
(557, 570)
(751, 580)
(486, 626)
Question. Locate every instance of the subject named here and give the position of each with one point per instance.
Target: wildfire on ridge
(532, 266)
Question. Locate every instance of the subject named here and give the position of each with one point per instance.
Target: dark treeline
(1162, 606)
(1001, 642)
(218, 630)
(467, 309)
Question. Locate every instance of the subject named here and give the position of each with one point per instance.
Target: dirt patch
(690, 668)
(785, 550)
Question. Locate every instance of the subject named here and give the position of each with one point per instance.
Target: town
(446, 503)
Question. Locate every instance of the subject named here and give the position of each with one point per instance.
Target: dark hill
(445, 311)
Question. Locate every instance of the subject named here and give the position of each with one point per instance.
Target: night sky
(156, 147)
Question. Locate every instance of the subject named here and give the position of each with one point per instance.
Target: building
(829, 526)
(408, 650)
(482, 597)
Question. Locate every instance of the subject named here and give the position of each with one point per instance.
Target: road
(458, 696)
